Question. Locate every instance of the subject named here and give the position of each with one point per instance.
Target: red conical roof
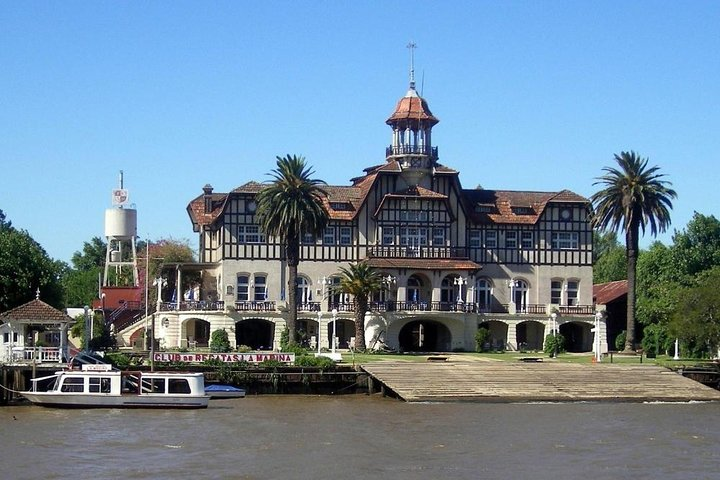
(412, 107)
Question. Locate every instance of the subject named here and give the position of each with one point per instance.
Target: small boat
(224, 391)
(101, 386)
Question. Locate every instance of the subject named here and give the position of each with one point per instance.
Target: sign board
(119, 196)
(191, 357)
(96, 367)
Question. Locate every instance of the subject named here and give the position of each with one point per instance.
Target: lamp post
(334, 332)
(323, 282)
(319, 315)
(598, 320)
(459, 281)
(553, 316)
(87, 329)
(677, 350)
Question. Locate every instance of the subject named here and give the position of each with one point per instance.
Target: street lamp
(334, 333)
(459, 281)
(88, 327)
(598, 320)
(319, 315)
(553, 316)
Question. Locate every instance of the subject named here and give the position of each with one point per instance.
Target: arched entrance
(530, 335)
(345, 330)
(306, 330)
(425, 336)
(498, 334)
(255, 333)
(578, 337)
(197, 332)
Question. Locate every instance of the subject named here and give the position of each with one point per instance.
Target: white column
(512, 336)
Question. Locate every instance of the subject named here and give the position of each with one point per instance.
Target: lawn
(515, 357)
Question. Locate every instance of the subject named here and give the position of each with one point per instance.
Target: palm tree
(290, 206)
(360, 281)
(634, 196)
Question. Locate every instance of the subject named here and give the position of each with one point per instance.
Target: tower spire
(412, 46)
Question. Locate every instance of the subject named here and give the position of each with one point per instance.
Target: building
(34, 332)
(453, 260)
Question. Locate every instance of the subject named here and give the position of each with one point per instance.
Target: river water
(359, 436)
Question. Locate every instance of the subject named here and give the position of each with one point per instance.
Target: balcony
(392, 251)
(20, 354)
(397, 150)
(192, 305)
(530, 309)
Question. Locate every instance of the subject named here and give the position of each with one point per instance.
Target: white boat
(100, 386)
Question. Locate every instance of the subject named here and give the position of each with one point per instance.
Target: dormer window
(341, 206)
(484, 208)
(522, 210)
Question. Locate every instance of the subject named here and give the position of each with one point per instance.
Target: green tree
(92, 256)
(634, 196)
(163, 252)
(609, 263)
(657, 282)
(697, 248)
(4, 223)
(25, 267)
(290, 206)
(360, 281)
(696, 319)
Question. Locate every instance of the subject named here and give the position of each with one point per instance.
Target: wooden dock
(534, 381)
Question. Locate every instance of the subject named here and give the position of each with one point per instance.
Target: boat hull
(52, 399)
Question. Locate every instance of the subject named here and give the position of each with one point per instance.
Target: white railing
(31, 354)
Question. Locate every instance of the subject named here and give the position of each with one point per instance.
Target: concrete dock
(454, 381)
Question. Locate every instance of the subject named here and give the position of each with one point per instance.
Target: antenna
(422, 84)
(412, 46)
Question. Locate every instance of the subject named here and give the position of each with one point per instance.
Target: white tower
(120, 232)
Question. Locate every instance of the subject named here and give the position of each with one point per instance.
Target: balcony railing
(391, 251)
(32, 354)
(412, 150)
(264, 306)
(191, 305)
(531, 309)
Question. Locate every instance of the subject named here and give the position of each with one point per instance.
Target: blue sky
(532, 95)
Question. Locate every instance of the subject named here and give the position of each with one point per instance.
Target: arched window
(483, 294)
(556, 292)
(303, 293)
(447, 290)
(520, 295)
(572, 292)
(243, 287)
(414, 286)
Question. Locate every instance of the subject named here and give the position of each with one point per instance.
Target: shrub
(219, 341)
(244, 349)
(482, 340)
(554, 344)
(118, 360)
(620, 341)
(324, 363)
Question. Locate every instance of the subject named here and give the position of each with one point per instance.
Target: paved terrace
(454, 381)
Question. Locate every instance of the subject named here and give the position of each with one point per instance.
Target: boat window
(100, 384)
(157, 385)
(73, 384)
(178, 385)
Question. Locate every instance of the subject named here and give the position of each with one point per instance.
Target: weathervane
(412, 46)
